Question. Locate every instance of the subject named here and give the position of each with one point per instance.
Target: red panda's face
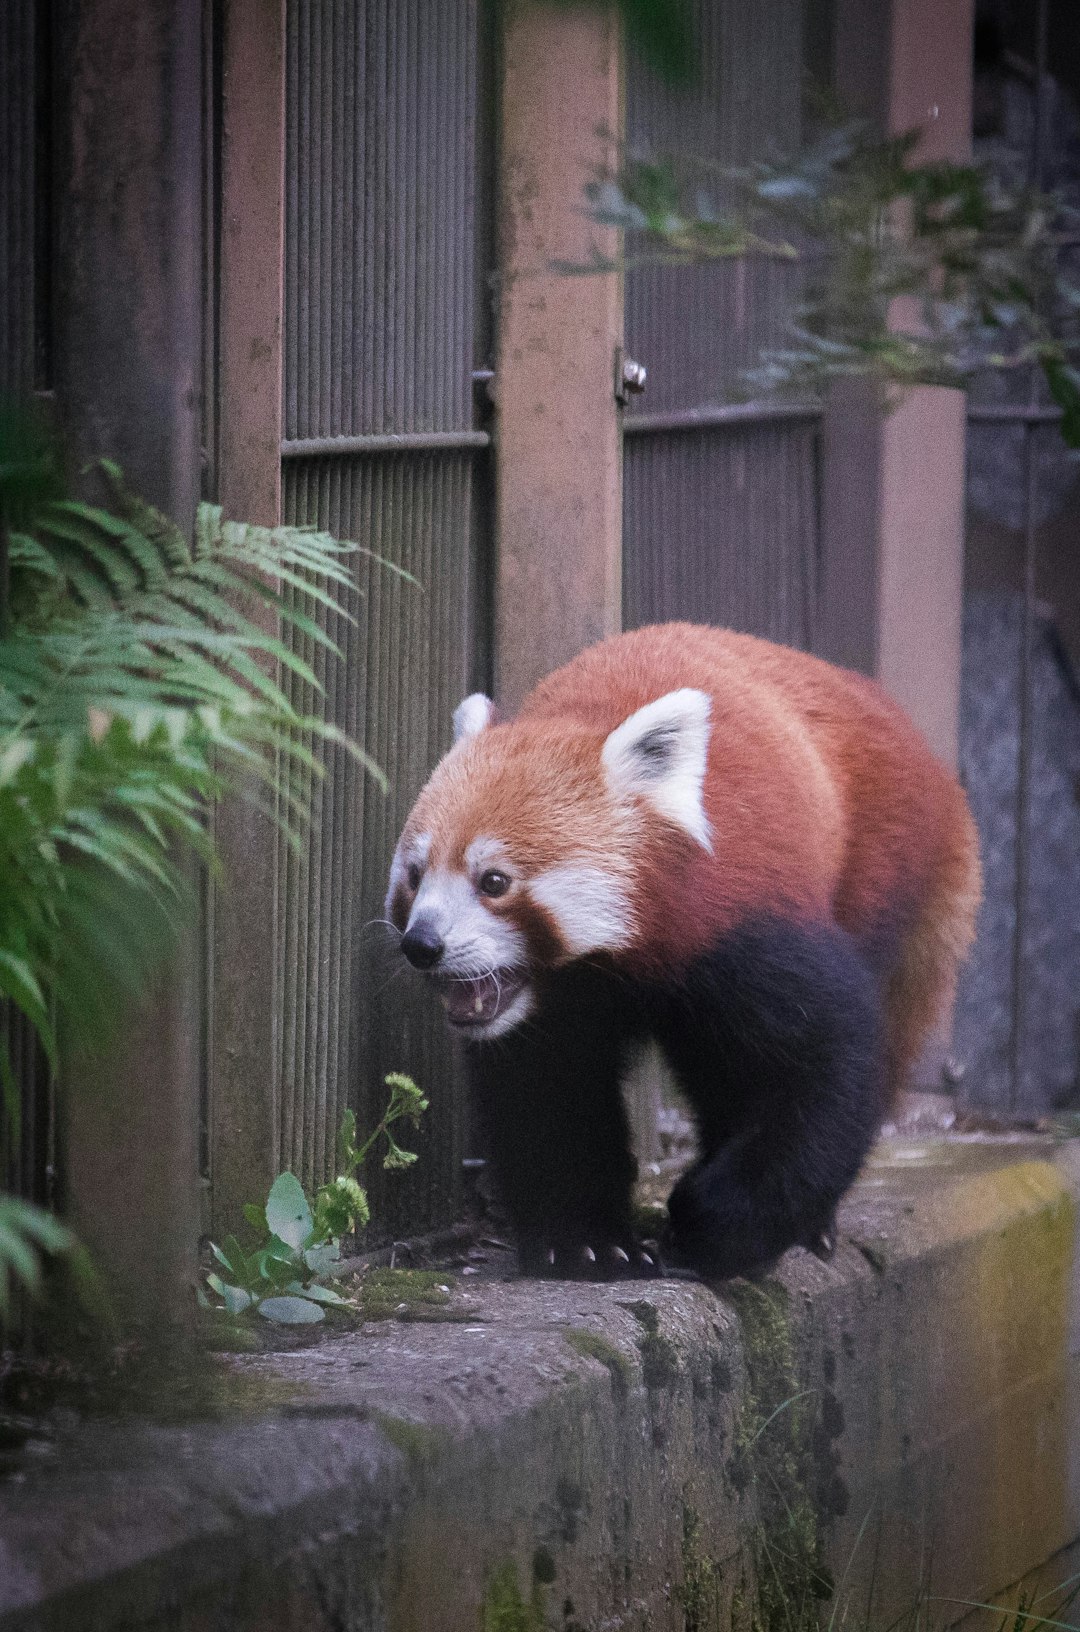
(523, 851)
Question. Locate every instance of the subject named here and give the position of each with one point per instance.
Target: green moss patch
(421, 1442)
(406, 1294)
(774, 1457)
(595, 1347)
(506, 1609)
(700, 1590)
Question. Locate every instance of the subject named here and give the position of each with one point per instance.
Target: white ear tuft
(659, 753)
(475, 714)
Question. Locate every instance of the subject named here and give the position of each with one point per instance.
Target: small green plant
(143, 675)
(286, 1277)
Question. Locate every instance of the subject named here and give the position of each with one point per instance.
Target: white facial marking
(659, 753)
(475, 941)
(472, 715)
(405, 856)
(484, 853)
(590, 907)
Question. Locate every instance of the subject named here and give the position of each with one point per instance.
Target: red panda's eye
(494, 883)
(413, 876)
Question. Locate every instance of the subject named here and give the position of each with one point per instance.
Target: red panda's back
(820, 787)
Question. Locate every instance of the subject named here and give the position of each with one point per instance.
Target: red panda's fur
(824, 801)
(825, 805)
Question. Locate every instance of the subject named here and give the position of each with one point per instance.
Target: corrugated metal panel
(720, 526)
(380, 195)
(17, 190)
(381, 225)
(720, 522)
(27, 1159)
(26, 1154)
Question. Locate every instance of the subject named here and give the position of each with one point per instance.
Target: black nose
(422, 945)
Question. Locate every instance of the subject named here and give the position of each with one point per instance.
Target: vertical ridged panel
(380, 280)
(350, 1012)
(697, 327)
(381, 109)
(26, 1153)
(719, 525)
(17, 187)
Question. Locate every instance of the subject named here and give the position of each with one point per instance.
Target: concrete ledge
(651, 1455)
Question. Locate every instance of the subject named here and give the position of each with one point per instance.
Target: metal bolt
(629, 377)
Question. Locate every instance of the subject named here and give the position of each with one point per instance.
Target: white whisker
(384, 922)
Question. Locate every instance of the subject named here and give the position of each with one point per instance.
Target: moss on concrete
(700, 1589)
(506, 1609)
(591, 1344)
(774, 1458)
(659, 1357)
(420, 1441)
(402, 1294)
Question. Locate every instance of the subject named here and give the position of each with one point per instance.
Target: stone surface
(640, 1455)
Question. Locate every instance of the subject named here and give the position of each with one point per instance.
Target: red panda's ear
(659, 753)
(475, 714)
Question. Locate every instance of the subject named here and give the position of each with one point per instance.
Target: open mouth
(478, 1000)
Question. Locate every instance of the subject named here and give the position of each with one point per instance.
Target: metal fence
(1018, 1020)
(28, 1151)
(721, 502)
(384, 327)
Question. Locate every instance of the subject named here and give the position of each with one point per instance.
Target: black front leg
(556, 1133)
(777, 1039)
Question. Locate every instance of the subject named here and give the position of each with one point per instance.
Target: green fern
(142, 676)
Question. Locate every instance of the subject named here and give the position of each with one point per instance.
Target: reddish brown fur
(824, 802)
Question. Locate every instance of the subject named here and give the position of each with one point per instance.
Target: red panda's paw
(580, 1261)
(723, 1227)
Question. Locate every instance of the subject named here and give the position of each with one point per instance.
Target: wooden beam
(243, 1053)
(558, 501)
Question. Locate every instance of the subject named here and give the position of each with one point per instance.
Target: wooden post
(892, 579)
(893, 490)
(243, 1061)
(129, 326)
(558, 500)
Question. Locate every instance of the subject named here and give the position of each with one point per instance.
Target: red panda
(735, 849)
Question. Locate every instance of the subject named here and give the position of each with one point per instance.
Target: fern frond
(141, 679)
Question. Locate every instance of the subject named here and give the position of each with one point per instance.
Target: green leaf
(323, 1260)
(395, 1157)
(17, 1255)
(291, 1311)
(288, 1215)
(40, 1226)
(233, 1258)
(255, 1214)
(319, 1294)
